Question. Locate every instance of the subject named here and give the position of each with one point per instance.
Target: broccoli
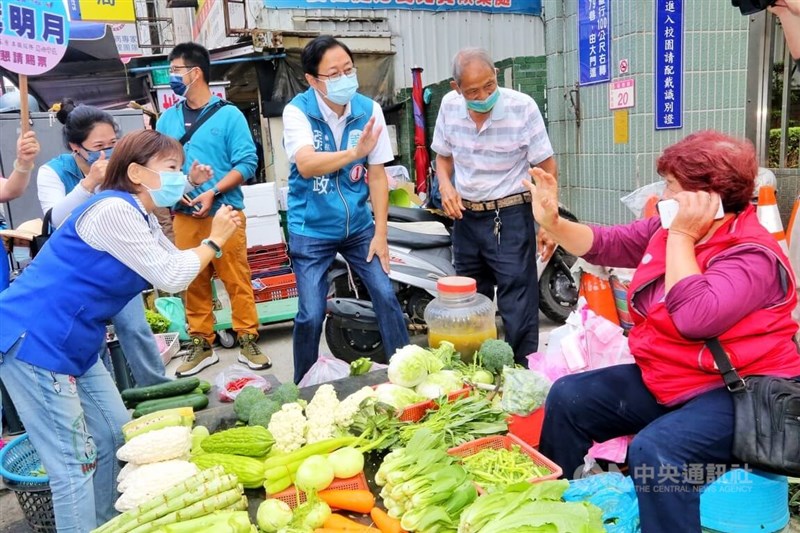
(495, 354)
(286, 393)
(262, 411)
(245, 401)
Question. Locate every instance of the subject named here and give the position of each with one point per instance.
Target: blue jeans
(509, 263)
(311, 259)
(74, 422)
(138, 344)
(675, 451)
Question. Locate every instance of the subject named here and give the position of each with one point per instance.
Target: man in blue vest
(334, 138)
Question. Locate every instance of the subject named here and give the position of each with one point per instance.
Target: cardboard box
(263, 231)
(260, 200)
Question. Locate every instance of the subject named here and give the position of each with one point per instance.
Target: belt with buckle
(491, 205)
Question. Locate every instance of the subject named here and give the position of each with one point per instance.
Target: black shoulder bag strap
(216, 106)
(730, 376)
(37, 243)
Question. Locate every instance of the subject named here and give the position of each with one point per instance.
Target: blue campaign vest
(62, 300)
(67, 169)
(332, 206)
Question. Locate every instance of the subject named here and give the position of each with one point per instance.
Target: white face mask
(21, 254)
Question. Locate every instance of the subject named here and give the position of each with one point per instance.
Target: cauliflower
(320, 413)
(347, 408)
(288, 427)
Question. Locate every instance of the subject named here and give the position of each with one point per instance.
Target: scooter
(420, 252)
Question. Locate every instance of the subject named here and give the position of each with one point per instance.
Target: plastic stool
(743, 501)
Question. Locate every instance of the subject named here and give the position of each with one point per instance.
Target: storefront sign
(669, 64)
(166, 98)
(33, 35)
(528, 7)
(621, 94)
(594, 41)
(102, 10)
(127, 41)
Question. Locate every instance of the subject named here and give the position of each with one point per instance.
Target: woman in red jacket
(703, 277)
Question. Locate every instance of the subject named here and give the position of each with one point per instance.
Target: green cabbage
(397, 396)
(440, 384)
(409, 366)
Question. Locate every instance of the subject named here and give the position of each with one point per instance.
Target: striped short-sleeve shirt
(489, 164)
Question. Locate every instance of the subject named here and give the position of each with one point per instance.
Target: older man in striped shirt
(486, 138)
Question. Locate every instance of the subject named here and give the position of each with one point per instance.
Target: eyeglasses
(176, 68)
(350, 73)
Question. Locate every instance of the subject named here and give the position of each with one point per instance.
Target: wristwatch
(217, 192)
(214, 246)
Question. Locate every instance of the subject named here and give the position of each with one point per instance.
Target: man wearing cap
(486, 139)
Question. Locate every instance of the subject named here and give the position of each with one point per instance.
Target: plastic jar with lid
(460, 315)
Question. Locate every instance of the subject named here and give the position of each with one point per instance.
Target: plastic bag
(637, 200)
(172, 309)
(327, 368)
(586, 342)
(524, 391)
(614, 494)
(231, 380)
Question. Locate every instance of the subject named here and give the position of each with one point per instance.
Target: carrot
(337, 521)
(358, 500)
(385, 523)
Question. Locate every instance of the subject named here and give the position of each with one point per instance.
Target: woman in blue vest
(67, 181)
(107, 251)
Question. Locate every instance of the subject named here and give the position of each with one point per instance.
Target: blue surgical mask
(484, 106)
(177, 85)
(341, 91)
(94, 155)
(22, 254)
(173, 183)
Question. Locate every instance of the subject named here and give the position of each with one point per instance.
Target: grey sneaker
(250, 354)
(200, 356)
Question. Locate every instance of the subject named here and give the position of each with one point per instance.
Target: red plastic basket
(528, 428)
(294, 497)
(268, 249)
(276, 288)
(415, 411)
(497, 442)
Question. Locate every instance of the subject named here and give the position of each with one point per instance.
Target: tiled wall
(595, 172)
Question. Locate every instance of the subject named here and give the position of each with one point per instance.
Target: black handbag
(766, 417)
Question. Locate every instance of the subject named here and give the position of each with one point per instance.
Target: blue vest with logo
(67, 169)
(333, 206)
(61, 301)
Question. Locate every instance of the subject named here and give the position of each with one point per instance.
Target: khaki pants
(232, 269)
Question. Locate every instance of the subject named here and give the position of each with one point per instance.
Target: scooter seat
(416, 241)
(413, 214)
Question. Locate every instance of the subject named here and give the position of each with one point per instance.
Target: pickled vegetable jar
(460, 315)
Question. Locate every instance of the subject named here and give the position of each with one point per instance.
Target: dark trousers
(676, 450)
(510, 264)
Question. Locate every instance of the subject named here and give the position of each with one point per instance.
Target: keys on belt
(493, 205)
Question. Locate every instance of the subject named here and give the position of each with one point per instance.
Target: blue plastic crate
(743, 501)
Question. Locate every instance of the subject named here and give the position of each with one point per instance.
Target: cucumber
(162, 390)
(205, 386)
(195, 401)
